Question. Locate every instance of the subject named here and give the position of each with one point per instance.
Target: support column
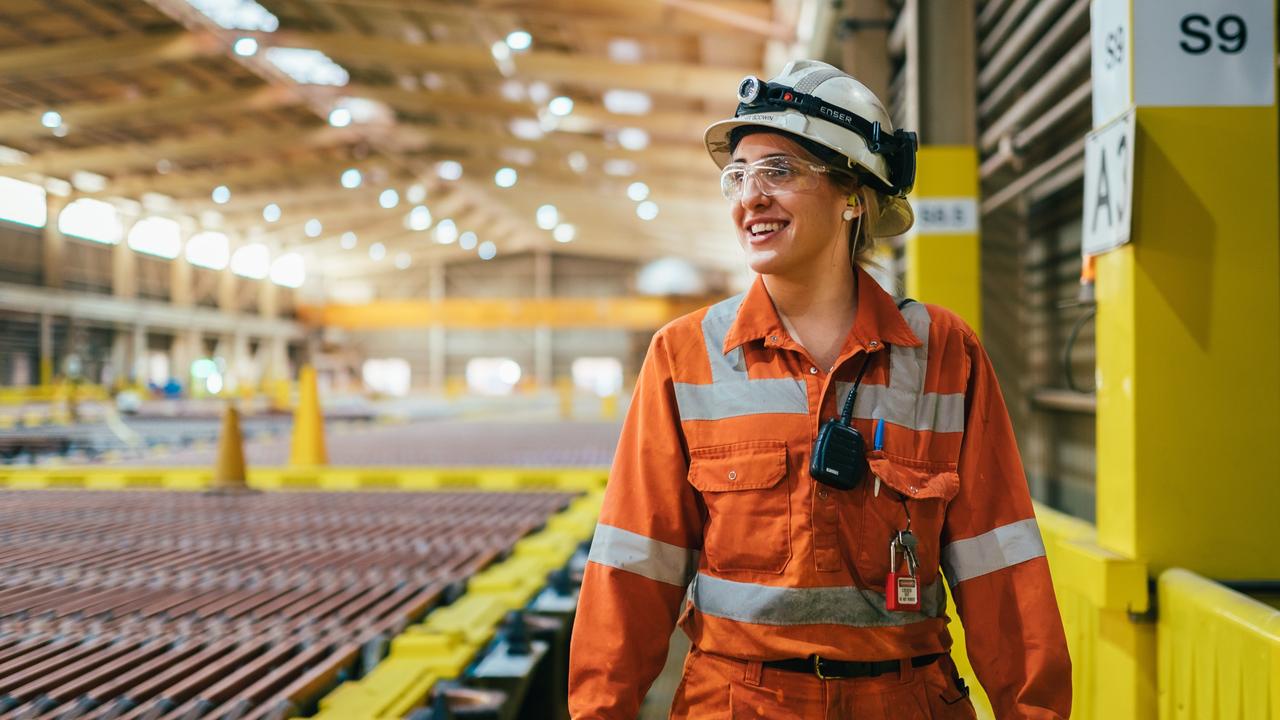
(1188, 323)
(864, 31)
(120, 343)
(181, 293)
(124, 262)
(1189, 328)
(943, 251)
(542, 334)
(47, 361)
(138, 355)
(436, 337)
(54, 243)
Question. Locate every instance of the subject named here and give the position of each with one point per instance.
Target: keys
(902, 590)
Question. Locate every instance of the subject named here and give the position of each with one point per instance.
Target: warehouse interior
(319, 321)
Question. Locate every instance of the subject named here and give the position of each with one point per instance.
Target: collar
(878, 317)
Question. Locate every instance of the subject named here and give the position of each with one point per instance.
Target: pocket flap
(915, 478)
(754, 465)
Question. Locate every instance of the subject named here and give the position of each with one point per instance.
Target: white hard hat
(818, 102)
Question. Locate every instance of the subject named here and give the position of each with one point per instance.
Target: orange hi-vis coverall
(710, 509)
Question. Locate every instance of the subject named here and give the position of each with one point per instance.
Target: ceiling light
(539, 92)
(377, 251)
(348, 240)
(351, 178)
(289, 270)
(564, 233)
(627, 102)
(548, 217)
(512, 91)
(446, 232)
(638, 191)
(340, 117)
(505, 177)
(389, 198)
(560, 106)
(307, 66)
(625, 50)
(518, 155)
(633, 138)
(501, 51)
(419, 218)
(647, 210)
(313, 228)
(222, 194)
(467, 240)
(51, 119)
(89, 182)
(519, 40)
(403, 260)
(416, 193)
(245, 47)
(271, 213)
(578, 161)
(252, 261)
(449, 170)
(526, 128)
(238, 14)
(619, 168)
(487, 250)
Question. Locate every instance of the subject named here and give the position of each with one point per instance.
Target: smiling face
(790, 232)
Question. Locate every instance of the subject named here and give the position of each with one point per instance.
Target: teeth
(765, 227)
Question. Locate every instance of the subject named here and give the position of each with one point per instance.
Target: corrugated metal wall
(1033, 109)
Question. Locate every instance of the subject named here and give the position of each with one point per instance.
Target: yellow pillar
(943, 254)
(1188, 342)
(1188, 323)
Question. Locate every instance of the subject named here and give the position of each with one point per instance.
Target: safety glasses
(773, 175)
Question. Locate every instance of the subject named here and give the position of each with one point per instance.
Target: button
(733, 474)
(873, 344)
(773, 339)
(822, 493)
(813, 371)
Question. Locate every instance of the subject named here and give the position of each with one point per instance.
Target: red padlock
(901, 590)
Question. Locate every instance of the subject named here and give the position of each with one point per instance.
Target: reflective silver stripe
(642, 555)
(753, 397)
(731, 392)
(939, 412)
(904, 402)
(1003, 547)
(840, 605)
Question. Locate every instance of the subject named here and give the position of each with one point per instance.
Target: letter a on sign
(1108, 185)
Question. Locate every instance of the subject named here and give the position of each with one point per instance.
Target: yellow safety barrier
(1219, 652)
(496, 479)
(1097, 592)
(51, 393)
(442, 645)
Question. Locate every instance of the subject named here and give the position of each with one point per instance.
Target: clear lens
(773, 175)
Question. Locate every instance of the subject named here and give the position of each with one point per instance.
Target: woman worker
(802, 462)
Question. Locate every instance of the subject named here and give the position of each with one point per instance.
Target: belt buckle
(817, 668)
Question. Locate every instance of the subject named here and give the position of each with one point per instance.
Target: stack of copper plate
(173, 605)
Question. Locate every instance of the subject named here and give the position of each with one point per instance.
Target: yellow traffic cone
(229, 474)
(308, 423)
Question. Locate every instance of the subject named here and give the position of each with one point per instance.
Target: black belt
(839, 669)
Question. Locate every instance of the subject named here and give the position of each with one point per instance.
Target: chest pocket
(744, 486)
(920, 488)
